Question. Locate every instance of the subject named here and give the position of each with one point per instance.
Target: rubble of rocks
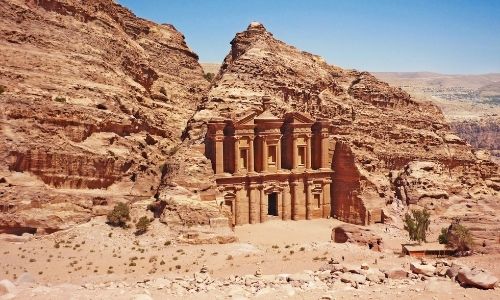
(332, 275)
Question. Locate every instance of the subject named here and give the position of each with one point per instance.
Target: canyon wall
(94, 102)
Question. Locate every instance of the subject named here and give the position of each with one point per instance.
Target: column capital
(254, 185)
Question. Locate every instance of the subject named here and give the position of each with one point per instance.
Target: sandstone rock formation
(476, 278)
(379, 133)
(348, 233)
(94, 102)
(482, 133)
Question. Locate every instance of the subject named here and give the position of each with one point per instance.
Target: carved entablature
(264, 143)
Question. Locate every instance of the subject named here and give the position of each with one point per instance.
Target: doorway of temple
(272, 204)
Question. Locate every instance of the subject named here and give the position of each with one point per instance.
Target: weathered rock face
(476, 278)
(376, 128)
(482, 133)
(95, 98)
(348, 233)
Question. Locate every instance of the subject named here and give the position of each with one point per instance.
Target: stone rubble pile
(333, 275)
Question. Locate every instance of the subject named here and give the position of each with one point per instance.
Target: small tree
(460, 237)
(142, 225)
(417, 224)
(119, 215)
(163, 91)
(209, 76)
(443, 237)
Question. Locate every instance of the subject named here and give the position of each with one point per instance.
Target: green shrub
(460, 238)
(417, 224)
(119, 215)
(60, 99)
(163, 91)
(142, 225)
(443, 237)
(209, 76)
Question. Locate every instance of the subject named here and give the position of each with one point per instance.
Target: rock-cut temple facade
(272, 168)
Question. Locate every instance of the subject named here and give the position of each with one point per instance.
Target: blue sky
(446, 36)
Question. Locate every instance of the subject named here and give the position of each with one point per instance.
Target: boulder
(418, 268)
(349, 233)
(396, 274)
(476, 278)
(452, 271)
(374, 275)
(301, 277)
(6, 287)
(25, 278)
(142, 297)
(351, 278)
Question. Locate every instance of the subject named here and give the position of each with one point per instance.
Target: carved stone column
(295, 153)
(308, 157)
(325, 144)
(243, 206)
(326, 199)
(236, 155)
(251, 159)
(254, 204)
(278, 155)
(264, 154)
(219, 154)
(237, 204)
(280, 204)
(263, 205)
(287, 204)
(309, 200)
(297, 203)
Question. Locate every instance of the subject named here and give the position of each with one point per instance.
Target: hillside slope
(95, 100)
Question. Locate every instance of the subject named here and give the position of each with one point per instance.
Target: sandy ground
(97, 254)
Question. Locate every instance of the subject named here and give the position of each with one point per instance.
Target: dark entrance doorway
(272, 204)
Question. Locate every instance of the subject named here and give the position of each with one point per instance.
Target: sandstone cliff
(94, 102)
(483, 133)
(377, 130)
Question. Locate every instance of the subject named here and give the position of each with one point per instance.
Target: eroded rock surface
(95, 101)
(348, 233)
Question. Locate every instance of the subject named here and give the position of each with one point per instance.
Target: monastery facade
(272, 168)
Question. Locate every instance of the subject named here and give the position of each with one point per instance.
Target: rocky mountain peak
(377, 130)
(256, 26)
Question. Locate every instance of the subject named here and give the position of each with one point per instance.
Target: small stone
(204, 269)
(142, 297)
(258, 273)
(364, 266)
(6, 287)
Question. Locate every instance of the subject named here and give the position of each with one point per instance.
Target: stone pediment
(266, 115)
(246, 120)
(298, 117)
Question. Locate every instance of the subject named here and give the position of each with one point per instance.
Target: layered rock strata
(94, 102)
(377, 131)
